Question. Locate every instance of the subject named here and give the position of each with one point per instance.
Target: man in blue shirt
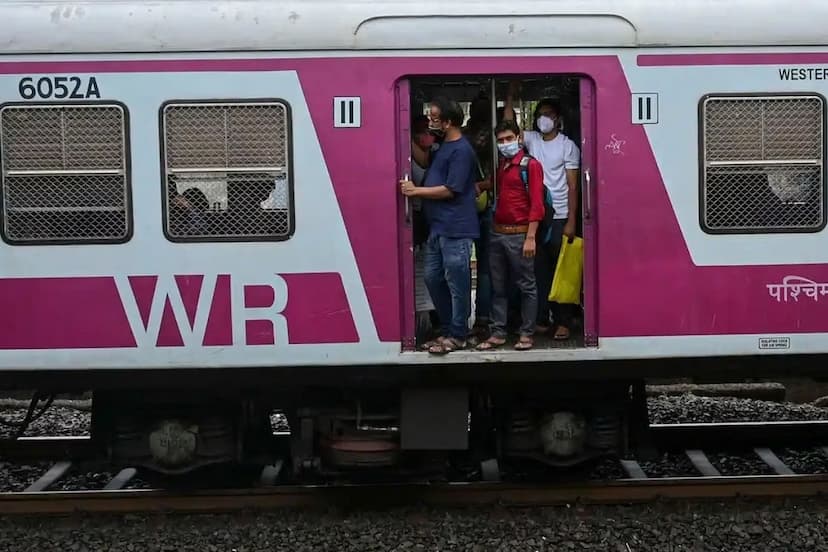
(448, 196)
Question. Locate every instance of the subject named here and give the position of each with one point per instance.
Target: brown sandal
(524, 343)
(491, 343)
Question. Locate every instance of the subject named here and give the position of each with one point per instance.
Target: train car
(201, 218)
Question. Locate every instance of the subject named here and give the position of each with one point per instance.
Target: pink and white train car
(701, 127)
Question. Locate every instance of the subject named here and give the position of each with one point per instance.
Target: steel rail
(451, 494)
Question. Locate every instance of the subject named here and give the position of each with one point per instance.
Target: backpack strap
(524, 170)
(524, 175)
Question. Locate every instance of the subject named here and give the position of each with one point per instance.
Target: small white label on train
(774, 342)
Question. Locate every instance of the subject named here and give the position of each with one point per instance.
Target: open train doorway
(485, 101)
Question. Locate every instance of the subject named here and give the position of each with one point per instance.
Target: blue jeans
(448, 279)
(483, 299)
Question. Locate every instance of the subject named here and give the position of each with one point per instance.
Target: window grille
(64, 174)
(227, 171)
(763, 164)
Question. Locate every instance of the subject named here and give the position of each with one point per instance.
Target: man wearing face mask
(435, 126)
(518, 212)
(560, 158)
(448, 195)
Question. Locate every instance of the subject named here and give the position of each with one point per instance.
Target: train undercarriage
(326, 433)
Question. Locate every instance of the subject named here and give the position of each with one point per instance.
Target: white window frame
(208, 172)
(124, 172)
(705, 164)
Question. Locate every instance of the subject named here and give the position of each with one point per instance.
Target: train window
(226, 171)
(65, 174)
(762, 164)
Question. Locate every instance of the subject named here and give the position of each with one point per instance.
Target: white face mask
(546, 124)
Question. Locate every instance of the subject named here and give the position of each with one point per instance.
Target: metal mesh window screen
(763, 164)
(64, 174)
(227, 172)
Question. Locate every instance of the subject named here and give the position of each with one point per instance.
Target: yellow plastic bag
(566, 286)
(482, 201)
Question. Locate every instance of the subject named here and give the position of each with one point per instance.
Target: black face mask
(438, 133)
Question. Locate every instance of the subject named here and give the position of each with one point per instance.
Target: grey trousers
(506, 259)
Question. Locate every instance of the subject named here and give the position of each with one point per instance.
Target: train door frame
(588, 204)
(405, 247)
(588, 178)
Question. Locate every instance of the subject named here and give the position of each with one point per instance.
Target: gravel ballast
(57, 421)
(69, 421)
(16, 477)
(732, 526)
(683, 409)
(739, 462)
(673, 409)
(669, 465)
(804, 461)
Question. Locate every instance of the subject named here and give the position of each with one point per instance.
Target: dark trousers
(483, 296)
(546, 260)
(509, 264)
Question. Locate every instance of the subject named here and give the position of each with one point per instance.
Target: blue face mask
(509, 149)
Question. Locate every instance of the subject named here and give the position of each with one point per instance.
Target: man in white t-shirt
(561, 159)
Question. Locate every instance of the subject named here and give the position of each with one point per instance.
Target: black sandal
(448, 345)
(428, 345)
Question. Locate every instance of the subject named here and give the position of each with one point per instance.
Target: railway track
(636, 486)
(459, 494)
